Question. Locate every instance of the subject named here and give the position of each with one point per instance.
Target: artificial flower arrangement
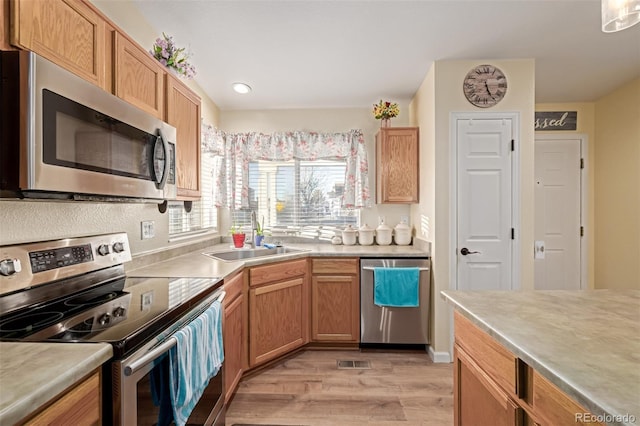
(385, 110)
(169, 55)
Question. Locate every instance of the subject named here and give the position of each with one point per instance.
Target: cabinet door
(397, 163)
(80, 406)
(183, 113)
(235, 333)
(335, 308)
(278, 319)
(478, 400)
(67, 32)
(138, 78)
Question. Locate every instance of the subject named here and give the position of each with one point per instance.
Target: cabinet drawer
(79, 406)
(556, 408)
(498, 362)
(233, 286)
(277, 272)
(334, 266)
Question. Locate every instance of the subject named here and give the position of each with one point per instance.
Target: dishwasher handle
(371, 268)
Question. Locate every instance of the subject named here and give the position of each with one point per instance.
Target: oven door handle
(154, 353)
(371, 268)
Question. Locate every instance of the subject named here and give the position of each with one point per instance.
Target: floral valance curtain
(234, 151)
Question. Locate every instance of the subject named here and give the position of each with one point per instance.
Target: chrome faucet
(254, 227)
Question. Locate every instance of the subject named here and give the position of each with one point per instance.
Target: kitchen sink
(242, 254)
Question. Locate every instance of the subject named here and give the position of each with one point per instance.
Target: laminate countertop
(587, 343)
(197, 265)
(32, 374)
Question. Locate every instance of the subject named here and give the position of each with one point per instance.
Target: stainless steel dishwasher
(394, 325)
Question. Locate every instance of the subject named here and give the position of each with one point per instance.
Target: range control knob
(119, 312)
(103, 249)
(9, 267)
(104, 319)
(118, 247)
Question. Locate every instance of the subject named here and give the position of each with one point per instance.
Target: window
(297, 197)
(204, 215)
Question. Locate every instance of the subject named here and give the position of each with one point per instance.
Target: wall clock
(485, 85)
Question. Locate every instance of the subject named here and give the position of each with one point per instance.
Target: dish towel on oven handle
(196, 358)
(396, 287)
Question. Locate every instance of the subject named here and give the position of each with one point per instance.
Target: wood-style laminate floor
(401, 388)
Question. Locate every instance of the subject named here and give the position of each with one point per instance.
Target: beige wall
(22, 221)
(323, 120)
(585, 126)
(440, 95)
(617, 188)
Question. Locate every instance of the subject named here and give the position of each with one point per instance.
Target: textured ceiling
(343, 53)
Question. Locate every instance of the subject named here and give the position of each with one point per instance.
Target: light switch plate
(146, 300)
(147, 229)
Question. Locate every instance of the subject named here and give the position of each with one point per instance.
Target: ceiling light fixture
(619, 14)
(241, 88)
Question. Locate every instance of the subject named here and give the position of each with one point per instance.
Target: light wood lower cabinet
(68, 32)
(235, 333)
(80, 406)
(335, 300)
(494, 387)
(278, 310)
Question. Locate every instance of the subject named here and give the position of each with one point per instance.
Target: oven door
(137, 381)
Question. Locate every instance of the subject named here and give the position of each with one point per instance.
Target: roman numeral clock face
(484, 86)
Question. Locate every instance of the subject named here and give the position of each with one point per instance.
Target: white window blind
(297, 197)
(204, 215)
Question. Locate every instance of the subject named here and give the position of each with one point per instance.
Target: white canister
(402, 233)
(349, 236)
(365, 235)
(383, 234)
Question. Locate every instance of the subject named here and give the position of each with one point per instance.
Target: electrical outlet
(146, 300)
(147, 229)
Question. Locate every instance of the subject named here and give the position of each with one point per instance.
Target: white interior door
(557, 264)
(484, 204)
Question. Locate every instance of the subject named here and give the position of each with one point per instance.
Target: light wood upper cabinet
(138, 78)
(183, 113)
(397, 165)
(335, 300)
(67, 32)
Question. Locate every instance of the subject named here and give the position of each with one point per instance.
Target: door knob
(465, 251)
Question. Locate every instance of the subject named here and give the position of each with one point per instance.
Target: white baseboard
(439, 357)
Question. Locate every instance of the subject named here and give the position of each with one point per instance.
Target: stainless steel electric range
(75, 290)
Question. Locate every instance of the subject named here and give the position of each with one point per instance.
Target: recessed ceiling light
(241, 88)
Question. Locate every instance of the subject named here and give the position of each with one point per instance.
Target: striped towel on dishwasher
(196, 358)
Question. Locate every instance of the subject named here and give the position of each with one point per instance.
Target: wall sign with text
(556, 120)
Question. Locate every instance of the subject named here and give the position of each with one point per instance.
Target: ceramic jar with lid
(365, 235)
(349, 236)
(402, 233)
(383, 234)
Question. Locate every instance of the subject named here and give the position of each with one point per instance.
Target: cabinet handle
(521, 378)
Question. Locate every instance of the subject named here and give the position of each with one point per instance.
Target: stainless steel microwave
(63, 137)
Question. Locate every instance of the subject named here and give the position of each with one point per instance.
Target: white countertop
(197, 265)
(587, 343)
(32, 374)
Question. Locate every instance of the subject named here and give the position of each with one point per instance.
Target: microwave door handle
(136, 365)
(167, 160)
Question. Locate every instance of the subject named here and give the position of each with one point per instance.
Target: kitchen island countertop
(585, 342)
(32, 374)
